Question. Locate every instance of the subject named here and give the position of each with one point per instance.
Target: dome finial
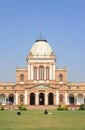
(41, 35)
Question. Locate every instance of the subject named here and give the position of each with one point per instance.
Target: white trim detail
(16, 98)
(41, 61)
(66, 102)
(50, 72)
(25, 99)
(57, 97)
(53, 71)
(36, 97)
(31, 72)
(28, 71)
(46, 99)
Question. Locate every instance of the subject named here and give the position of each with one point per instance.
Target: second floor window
(60, 77)
(35, 73)
(41, 72)
(47, 73)
(21, 77)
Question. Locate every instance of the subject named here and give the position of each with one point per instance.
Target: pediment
(42, 86)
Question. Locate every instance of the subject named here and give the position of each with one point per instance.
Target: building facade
(41, 83)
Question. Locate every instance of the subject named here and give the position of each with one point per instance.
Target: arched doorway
(50, 99)
(32, 99)
(41, 99)
(71, 98)
(2, 99)
(11, 99)
(80, 99)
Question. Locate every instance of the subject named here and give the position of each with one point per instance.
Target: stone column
(28, 99)
(46, 98)
(50, 71)
(37, 73)
(44, 73)
(31, 72)
(37, 101)
(57, 97)
(25, 99)
(75, 100)
(53, 71)
(16, 100)
(66, 98)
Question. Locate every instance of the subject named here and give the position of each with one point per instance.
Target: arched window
(41, 72)
(35, 73)
(80, 99)
(71, 98)
(47, 73)
(2, 99)
(21, 77)
(60, 77)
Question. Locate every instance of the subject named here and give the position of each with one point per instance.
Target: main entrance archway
(32, 99)
(41, 99)
(50, 99)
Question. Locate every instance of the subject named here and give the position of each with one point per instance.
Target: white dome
(41, 47)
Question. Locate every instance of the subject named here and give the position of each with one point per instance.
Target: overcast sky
(62, 23)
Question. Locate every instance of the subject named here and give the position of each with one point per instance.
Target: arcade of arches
(42, 99)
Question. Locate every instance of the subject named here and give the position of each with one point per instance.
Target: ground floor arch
(50, 99)
(71, 98)
(11, 99)
(80, 99)
(2, 99)
(32, 98)
(41, 99)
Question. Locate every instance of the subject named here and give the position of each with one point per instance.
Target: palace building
(41, 83)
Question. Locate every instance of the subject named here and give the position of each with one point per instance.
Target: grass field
(36, 120)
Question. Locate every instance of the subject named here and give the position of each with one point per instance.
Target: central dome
(41, 47)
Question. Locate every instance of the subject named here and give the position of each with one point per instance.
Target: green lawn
(36, 120)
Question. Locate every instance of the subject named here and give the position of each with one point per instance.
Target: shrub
(22, 107)
(82, 107)
(62, 107)
(2, 108)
